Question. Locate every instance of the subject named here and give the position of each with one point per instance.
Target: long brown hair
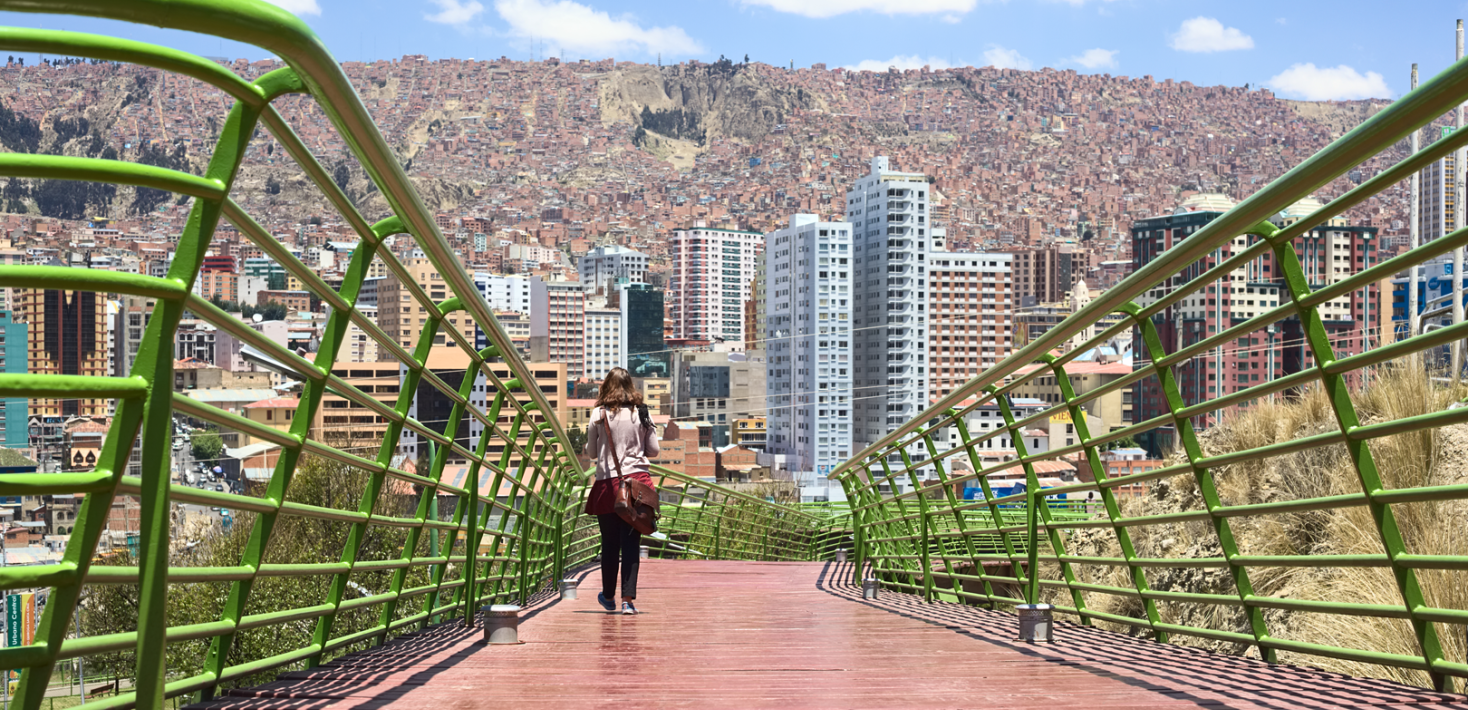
(617, 391)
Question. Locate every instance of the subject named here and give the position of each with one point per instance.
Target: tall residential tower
(709, 283)
(807, 296)
(888, 212)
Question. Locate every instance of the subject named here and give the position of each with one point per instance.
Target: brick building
(682, 450)
(970, 306)
(1328, 253)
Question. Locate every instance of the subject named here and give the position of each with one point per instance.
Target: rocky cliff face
(692, 101)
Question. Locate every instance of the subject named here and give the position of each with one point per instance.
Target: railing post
(858, 532)
(1032, 520)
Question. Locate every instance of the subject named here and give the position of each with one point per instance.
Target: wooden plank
(715, 634)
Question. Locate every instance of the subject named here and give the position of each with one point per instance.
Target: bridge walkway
(719, 634)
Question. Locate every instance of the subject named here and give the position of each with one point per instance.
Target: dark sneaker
(606, 603)
(628, 609)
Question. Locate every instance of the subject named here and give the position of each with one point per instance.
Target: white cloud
(901, 62)
(1078, 3)
(1096, 58)
(831, 8)
(1205, 34)
(1341, 83)
(453, 12)
(1001, 58)
(297, 7)
(583, 30)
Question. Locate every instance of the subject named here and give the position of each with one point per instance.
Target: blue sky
(1346, 49)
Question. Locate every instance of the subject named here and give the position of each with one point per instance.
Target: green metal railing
(508, 542)
(1022, 548)
(705, 520)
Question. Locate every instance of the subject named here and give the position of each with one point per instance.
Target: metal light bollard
(501, 624)
(841, 556)
(642, 552)
(869, 588)
(1036, 624)
(568, 589)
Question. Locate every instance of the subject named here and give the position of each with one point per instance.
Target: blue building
(14, 358)
(1434, 294)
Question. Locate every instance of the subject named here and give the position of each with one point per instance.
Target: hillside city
(791, 261)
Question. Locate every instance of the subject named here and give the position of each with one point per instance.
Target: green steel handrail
(486, 549)
(900, 534)
(528, 553)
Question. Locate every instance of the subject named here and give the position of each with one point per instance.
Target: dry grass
(1425, 458)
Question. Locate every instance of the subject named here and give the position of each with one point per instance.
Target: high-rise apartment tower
(888, 212)
(709, 283)
(808, 305)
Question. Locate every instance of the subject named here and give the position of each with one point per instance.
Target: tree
(270, 310)
(147, 199)
(207, 446)
(342, 175)
(18, 132)
(224, 305)
(577, 437)
(320, 482)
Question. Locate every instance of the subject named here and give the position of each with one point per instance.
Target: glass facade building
(642, 326)
(14, 359)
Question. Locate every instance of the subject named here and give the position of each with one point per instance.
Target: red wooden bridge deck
(783, 635)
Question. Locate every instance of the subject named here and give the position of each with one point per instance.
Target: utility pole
(1459, 156)
(1414, 321)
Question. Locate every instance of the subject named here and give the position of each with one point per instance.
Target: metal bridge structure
(515, 528)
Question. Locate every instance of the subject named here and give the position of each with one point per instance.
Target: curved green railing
(1030, 547)
(1024, 548)
(523, 534)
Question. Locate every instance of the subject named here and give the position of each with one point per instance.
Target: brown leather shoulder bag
(636, 502)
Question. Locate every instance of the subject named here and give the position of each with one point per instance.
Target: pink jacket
(632, 443)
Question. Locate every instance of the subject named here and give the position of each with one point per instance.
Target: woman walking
(620, 439)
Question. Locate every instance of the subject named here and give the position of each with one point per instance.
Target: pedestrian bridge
(1299, 544)
(722, 634)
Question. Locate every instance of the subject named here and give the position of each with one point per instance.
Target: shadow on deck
(752, 634)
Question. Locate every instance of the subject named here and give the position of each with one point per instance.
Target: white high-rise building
(888, 211)
(557, 318)
(1436, 215)
(605, 341)
(610, 264)
(504, 293)
(710, 282)
(807, 297)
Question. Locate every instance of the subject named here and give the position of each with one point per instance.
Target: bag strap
(608, 428)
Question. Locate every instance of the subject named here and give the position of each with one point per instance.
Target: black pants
(617, 537)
